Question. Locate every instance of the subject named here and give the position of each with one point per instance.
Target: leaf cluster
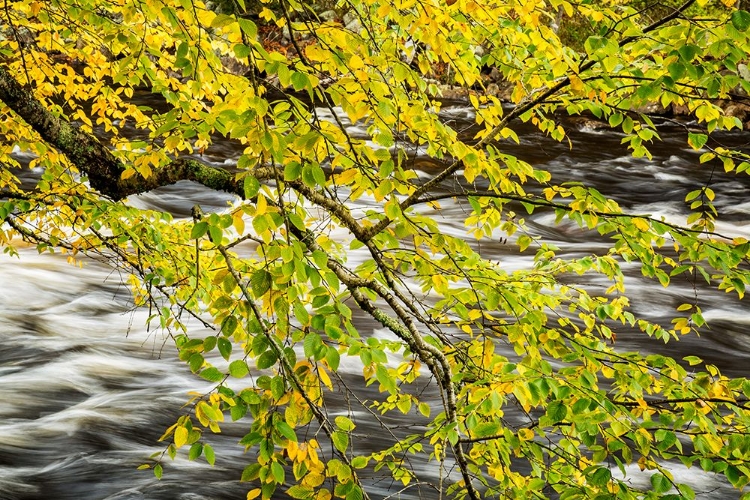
(510, 380)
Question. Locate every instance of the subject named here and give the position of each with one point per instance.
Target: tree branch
(103, 169)
(517, 111)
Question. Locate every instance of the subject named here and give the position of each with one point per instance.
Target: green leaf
(248, 26)
(250, 186)
(251, 472)
(594, 43)
(382, 375)
(333, 358)
(300, 312)
(627, 125)
(308, 177)
(340, 440)
(665, 439)
(212, 374)
(199, 229)
(355, 493)
(250, 397)
(229, 325)
(158, 471)
(300, 492)
(676, 70)
(693, 360)
(222, 20)
(278, 472)
(238, 368)
(486, 429)
(615, 119)
(216, 234)
(741, 20)
(735, 476)
(600, 477)
(225, 348)
(557, 411)
(260, 282)
(311, 344)
(524, 241)
(688, 52)
(266, 360)
(292, 171)
(286, 430)
(686, 492)
(300, 81)
(318, 175)
(238, 411)
(241, 51)
(392, 209)
(278, 387)
(196, 362)
(196, 450)
(659, 483)
(209, 343)
(208, 452)
(424, 409)
(344, 423)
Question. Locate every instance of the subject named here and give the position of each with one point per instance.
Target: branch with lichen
(103, 169)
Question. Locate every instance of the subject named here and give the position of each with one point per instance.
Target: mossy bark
(94, 160)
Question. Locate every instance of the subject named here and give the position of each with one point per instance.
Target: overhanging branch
(93, 159)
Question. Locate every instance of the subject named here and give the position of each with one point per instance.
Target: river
(86, 390)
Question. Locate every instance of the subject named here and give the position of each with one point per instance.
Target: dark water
(86, 390)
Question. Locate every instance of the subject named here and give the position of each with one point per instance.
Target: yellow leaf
(168, 432)
(180, 436)
(291, 449)
(355, 62)
(488, 350)
(313, 480)
(323, 494)
(346, 176)
(576, 83)
(201, 415)
(475, 314)
(268, 15)
(325, 378)
(525, 434)
(238, 222)
(714, 442)
(641, 224)
(439, 283)
(172, 142)
(254, 493)
(261, 206)
(312, 453)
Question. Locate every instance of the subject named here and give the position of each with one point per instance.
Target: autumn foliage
(265, 299)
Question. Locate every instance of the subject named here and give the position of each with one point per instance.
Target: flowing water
(86, 390)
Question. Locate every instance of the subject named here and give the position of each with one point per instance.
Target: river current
(86, 390)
